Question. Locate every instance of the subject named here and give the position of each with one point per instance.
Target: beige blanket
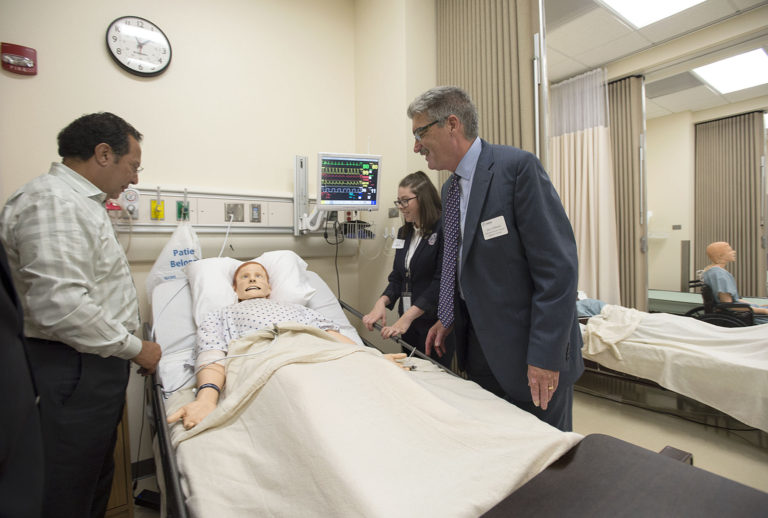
(310, 427)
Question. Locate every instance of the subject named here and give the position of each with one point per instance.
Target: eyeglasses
(419, 132)
(404, 202)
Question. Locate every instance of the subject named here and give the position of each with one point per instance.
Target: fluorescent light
(737, 72)
(640, 13)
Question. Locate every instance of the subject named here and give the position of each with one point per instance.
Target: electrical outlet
(392, 212)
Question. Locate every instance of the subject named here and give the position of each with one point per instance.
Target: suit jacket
(425, 274)
(21, 447)
(520, 287)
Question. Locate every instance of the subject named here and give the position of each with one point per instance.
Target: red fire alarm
(18, 59)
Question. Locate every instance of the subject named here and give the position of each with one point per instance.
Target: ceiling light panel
(641, 13)
(737, 72)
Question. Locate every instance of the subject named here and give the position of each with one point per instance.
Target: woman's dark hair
(429, 203)
(80, 138)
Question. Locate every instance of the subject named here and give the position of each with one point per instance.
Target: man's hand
(436, 338)
(543, 384)
(148, 358)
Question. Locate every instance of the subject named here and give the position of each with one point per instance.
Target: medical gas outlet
(130, 198)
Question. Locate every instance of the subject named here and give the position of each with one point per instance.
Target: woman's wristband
(209, 385)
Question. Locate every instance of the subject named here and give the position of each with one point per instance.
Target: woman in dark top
(415, 277)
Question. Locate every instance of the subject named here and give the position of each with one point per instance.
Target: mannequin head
(251, 281)
(721, 253)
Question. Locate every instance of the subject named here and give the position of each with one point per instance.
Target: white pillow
(211, 281)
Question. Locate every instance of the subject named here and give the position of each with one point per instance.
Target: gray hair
(441, 101)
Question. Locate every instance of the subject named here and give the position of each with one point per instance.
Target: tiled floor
(715, 451)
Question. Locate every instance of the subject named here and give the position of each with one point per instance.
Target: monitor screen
(348, 182)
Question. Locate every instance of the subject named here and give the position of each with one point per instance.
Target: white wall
(251, 84)
(670, 167)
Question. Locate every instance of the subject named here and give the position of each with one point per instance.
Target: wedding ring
(550, 387)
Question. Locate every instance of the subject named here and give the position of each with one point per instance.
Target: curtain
(730, 196)
(581, 170)
(486, 47)
(627, 116)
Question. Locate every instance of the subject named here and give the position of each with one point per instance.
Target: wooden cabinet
(121, 498)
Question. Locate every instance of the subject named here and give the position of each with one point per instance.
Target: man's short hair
(440, 102)
(80, 138)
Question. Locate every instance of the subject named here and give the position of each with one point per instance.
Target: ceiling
(582, 35)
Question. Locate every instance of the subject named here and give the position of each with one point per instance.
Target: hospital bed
(723, 368)
(459, 450)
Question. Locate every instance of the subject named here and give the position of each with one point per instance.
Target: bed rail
(396, 339)
(174, 500)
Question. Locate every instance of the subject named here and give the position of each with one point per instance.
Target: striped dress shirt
(70, 271)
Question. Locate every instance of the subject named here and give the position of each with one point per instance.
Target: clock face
(138, 45)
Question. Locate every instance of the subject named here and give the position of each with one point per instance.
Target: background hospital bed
(713, 385)
(609, 472)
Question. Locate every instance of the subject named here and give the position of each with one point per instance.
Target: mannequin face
(251, 282)
(721, 253)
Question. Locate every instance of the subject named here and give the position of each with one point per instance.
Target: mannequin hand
(192, 413)
(397, 356)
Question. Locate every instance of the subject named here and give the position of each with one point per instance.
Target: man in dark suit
(509, 281)
(21, 444)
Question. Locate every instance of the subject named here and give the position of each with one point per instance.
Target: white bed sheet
(725, 368)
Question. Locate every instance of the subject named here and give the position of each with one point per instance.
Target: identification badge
(398, 243)
(494, 228)
(432, 239)
(406, 296)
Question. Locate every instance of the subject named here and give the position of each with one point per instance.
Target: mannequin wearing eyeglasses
(415, 277)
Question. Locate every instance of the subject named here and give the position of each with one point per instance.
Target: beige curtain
(627, 116)
(581, 170)
(486, 47)
(730, 196)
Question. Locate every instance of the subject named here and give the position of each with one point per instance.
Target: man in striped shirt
(80, 307)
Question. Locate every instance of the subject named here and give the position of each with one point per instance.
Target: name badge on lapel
(398, 243)
(494, 228)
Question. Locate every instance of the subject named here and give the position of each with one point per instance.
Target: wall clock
(138, 46)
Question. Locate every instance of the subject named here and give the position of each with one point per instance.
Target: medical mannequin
(721, 280)
(251, 282)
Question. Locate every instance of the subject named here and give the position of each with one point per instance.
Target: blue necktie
(451, 238)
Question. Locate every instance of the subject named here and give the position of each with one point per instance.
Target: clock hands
(140, 45)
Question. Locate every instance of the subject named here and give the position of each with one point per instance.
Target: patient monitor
(345, 182)
(348, 182)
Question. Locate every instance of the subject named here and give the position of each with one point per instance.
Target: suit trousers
(559, 412)
(81, 402)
